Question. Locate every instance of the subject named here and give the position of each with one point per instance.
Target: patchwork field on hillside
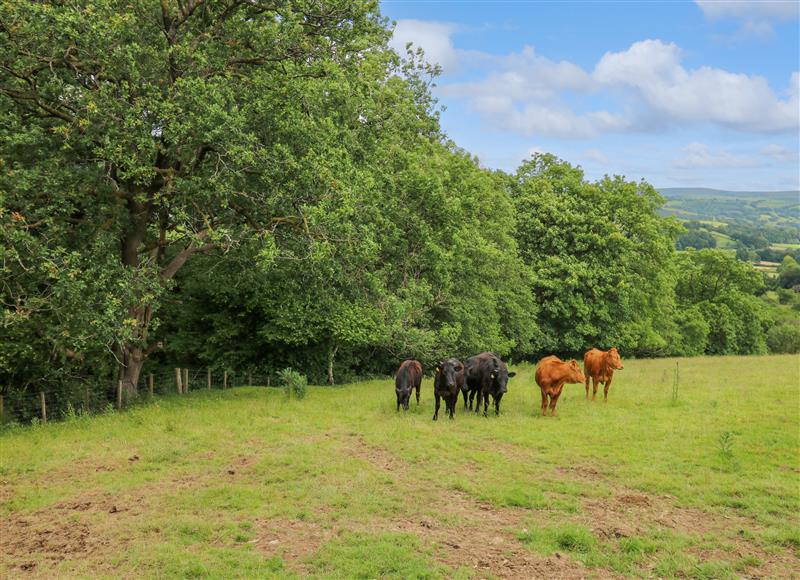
(248, 483)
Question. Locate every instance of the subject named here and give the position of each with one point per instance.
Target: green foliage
(599, 255)
(696, 237)
(789, 273)
(294, 383)
(784, 338)
(721, 289)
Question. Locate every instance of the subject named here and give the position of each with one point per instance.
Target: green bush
(784, 338)
(294, 383)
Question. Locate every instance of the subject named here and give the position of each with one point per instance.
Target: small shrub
(294, 383)
(725, 444)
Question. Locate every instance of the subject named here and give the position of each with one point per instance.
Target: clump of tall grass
(294, 383)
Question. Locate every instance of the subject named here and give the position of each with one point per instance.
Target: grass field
(245, 483)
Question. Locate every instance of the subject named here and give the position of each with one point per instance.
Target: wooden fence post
(208, 378)
(150, 386)
(119, 395)
(268, 379)
(178, 381)
(224, 379)
(86, 400)
(44, 407)
(185, 381)
(249, 379)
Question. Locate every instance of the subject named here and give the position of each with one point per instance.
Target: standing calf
(551, 375)
(487, 375)
(408, 377)
(448, 380)
(600, 366)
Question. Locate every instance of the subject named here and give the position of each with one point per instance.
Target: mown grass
(193, 482)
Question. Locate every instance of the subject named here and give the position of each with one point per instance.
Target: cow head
(574, 372)
(500, 376)
(404, 394)
(613, 360)
(447, 371)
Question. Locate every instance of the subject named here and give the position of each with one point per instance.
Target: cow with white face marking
(487, 375)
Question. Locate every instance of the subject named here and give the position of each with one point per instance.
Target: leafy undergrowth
(249, 483)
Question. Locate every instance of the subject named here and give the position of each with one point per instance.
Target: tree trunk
(331, 356)
(133, 358)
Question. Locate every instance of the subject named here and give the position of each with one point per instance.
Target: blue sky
(681, 94)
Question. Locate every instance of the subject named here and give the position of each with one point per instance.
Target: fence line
(58, 401)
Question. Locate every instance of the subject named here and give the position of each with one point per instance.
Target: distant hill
(776, 208)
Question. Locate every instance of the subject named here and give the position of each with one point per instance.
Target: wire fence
(53, 402)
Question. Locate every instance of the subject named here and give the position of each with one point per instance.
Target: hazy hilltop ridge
(777, 208)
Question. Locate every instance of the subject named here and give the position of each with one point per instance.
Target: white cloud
(522, 76)
(543, 119)
(781, 154)
(647, 85)
(698, 155)
(755, 16)
(432, 37)
(750, 9)
(706, 94)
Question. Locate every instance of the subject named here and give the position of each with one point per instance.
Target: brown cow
(600, 366)
(407, 378)
(552, 374)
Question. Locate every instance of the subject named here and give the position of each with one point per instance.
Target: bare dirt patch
(292, 540)
(33, 543)
(378, 456)
(479, 536)
(484, 539)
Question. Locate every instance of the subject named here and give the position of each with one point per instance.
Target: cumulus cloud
(706, 94)
(644, 88)
(432, 37)
(755, 16)
(698, 155)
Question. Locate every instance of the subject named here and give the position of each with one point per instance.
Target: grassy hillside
(776, 208)
(247, 483)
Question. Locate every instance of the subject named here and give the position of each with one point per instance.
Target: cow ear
(512, 374)
(438, 369)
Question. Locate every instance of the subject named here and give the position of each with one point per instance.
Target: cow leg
(452, 404)
(419, 386)
(485, 404)
(588, 378)
(398, 400)
(594, 388)
(544, 403)
(605, 389)
(477, 401)
(436, 412)
(472, 398)
(553, 403)
(497, 406)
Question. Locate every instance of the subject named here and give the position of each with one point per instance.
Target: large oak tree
(136, 134)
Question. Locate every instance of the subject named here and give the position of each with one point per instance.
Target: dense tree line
(265, 184)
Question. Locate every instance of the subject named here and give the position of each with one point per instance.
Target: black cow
(447, 381)
(486, 375)
(407, 378)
